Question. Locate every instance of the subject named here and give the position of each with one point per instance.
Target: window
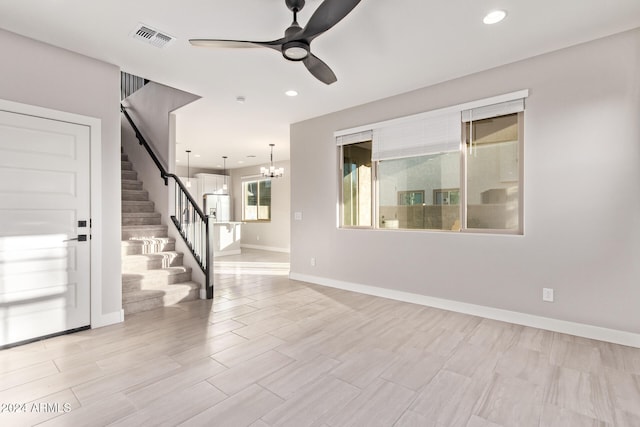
(415, 180)
(411, 198)
(493, 178)
(446, 197)
(452, 169)
(256, 200)
(357, 185)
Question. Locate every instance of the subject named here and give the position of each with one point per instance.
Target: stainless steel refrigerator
(217, 207)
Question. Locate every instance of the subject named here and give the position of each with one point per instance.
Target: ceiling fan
(295, 45)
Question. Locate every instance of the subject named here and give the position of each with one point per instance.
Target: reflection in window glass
(493, 173)
(356, 185)
(264, 207)
(446, 197)
(411, 195)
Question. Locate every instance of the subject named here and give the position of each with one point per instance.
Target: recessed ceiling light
(291, 93)
(196, 155)
(240, 162)
(251, 156)
(177, 160)
(494, 17)
(240, 99)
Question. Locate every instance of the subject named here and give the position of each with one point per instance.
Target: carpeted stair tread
(148, 245)
(137, 206)
(149, 299)
(135, 232)
(153, 274)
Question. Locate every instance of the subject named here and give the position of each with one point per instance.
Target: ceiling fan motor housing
(295, 5)
(295, 50)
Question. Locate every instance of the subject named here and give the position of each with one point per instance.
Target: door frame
(95, 135)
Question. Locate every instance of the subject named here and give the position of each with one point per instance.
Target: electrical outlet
(312, 262)
(547, 294)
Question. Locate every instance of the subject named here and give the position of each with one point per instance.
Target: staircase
(152, 272)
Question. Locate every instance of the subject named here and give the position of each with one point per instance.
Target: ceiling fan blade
(319, 69)
(328, 14)
(234, 43)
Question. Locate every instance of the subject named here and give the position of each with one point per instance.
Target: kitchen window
(256, 200)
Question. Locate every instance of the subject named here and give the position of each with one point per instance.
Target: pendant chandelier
(188, 170)
(224, 172)
(271, 171)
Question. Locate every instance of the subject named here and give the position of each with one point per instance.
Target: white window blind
(354, 138)
(418, 136)
(494, 110)
(432, 132)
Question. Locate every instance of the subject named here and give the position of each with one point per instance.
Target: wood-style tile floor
(269, 351)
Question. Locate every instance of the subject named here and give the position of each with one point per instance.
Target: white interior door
(44, 196)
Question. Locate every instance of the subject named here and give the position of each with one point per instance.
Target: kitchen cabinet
(209, 183)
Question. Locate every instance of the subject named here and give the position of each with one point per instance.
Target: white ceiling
(381, 49)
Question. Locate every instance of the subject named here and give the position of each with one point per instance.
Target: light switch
(297, 216)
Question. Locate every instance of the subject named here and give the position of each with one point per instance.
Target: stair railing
(130, 84)
(188, 218)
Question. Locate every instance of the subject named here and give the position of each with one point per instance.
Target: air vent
(152, 36)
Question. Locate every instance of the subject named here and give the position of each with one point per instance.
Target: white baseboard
(555, 325)
(107, 319)
(227, 253)
(266, 248)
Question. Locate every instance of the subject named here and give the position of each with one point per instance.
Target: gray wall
(39, 74)
(274, 235)
(581, 196)
(150, 108)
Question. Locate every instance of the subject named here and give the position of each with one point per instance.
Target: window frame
(463, 207)
(463, 187)
(448, 191)
(402, 193)
(257, 180)
(373, 186)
